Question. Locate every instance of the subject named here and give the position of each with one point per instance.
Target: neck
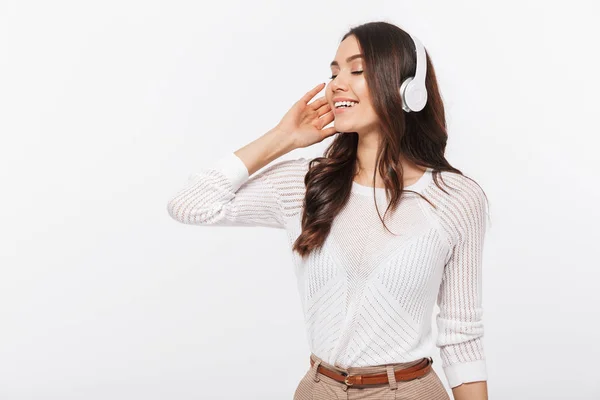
(365, 157)
(365, 162)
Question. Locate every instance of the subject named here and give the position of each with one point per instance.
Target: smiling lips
(341, 110)
(336, 99)
(347, 103)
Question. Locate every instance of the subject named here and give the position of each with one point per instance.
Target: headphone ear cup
(414, 97)
(405, 83)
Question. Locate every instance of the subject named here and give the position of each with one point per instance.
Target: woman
(367, 283)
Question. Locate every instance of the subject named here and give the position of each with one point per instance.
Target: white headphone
(412, 90)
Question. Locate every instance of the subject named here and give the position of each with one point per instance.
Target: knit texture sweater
(367, 295)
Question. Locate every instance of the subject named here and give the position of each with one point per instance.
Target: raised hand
(304, 122)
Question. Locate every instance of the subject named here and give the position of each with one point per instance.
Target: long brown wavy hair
(389, 57)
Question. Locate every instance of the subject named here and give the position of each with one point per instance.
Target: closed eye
(355, 73)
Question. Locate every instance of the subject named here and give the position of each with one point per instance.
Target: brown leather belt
(406, 374)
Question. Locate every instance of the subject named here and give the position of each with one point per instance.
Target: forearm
(265, 149)
(471, 391)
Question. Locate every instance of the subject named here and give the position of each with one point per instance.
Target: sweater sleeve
(459, 322)
(226, 195)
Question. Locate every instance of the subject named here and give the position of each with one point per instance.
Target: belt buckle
(346, 380)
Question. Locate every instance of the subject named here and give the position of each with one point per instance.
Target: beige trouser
(316, 386)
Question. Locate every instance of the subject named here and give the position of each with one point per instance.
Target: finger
(326, 119)
(325, 108)
(311, 93)
(318, 103)
(328, 132)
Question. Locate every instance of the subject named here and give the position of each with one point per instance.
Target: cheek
(361, 90)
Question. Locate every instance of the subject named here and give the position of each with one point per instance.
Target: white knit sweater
(367, 295)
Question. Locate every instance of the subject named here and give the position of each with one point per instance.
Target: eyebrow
(347, 59)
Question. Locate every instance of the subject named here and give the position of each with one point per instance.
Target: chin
(343, 128)
(348, 130)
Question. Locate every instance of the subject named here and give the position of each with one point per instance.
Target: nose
(339, 83)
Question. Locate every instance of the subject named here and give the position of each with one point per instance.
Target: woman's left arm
(471, 391)
(460, 323)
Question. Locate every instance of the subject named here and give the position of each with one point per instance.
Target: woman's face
(348, 82)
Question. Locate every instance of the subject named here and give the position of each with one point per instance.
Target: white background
(107, 107)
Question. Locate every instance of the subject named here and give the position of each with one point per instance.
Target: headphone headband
(413, 91)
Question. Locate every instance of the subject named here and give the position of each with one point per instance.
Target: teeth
(344, 103)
